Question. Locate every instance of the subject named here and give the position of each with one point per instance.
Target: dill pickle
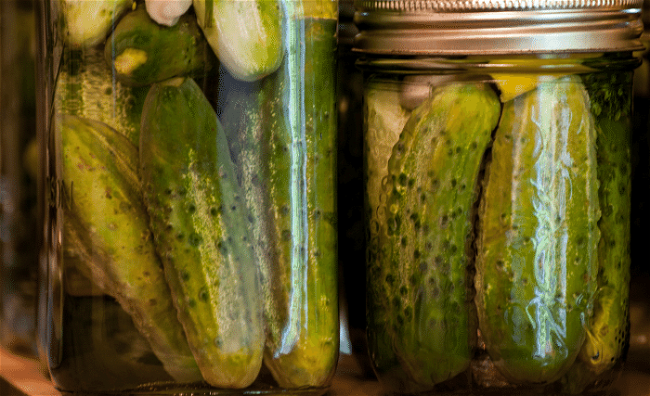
(538, 234)
(200, 226)
(431, 190)
(142, 52)
(282, 134)
(608, 329)
(106, 217)
(385, 120)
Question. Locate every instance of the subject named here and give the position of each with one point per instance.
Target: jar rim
(446, 27)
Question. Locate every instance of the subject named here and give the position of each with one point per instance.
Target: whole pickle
(538, 234)
(104, 210)
(286, 163)
(431, 190)
(201, 232)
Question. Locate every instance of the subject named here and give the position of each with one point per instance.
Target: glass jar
(19, 244)
(639, 353)
(498, 177)
(190, 207)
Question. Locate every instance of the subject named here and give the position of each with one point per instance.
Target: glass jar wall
(191, 207)
(639, 353)
(498, 201)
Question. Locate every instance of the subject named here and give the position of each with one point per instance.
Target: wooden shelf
(24, 375)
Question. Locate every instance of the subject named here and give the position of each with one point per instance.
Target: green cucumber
(143, 52)
(201, 232)
(608, 330)
(246, 36)
(300, 161)
(284, 146)
(538, 234)
(78, 258)
(104, 207)
(86, 23)
(432, 177)
(86, 87)
(385, 119)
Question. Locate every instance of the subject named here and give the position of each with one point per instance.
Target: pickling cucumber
(246, 36)
(301, 165)
(104, 208)
(608, 329)
(431, 189)
(385, 119)
(201, 232)
(86, 23)
(86, 87)
(284, 146)
(538, 235)
(143, 52)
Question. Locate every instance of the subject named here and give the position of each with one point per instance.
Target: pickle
(86, 87)
(86, 23)
(246, 36)
(432, 176)
(201, 232)
(385, 121)
(286, 162)
(143, 52)
(538, 234)
(303, 346)
(608, 330)
(104, 209)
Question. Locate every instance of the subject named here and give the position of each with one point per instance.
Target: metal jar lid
(486, 27)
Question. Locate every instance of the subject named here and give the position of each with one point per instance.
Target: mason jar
(190, 200)
(18, 173)
(498, 179)
(639, 352)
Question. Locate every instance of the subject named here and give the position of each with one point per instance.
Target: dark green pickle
(527, 274)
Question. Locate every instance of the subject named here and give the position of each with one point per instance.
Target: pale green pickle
(201, 232)
(282, 133)
(104, 209)
(86, 23)
(246, 35)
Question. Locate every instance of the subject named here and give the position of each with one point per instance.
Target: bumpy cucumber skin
(86, 23)
(608, 330)
(246, 36)
(143, 52)
(200, 226)
(301, 166)
(104, 208)
(432, 176)
(385, 119)
(284, 146)
(537, 248)
(86, 87)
